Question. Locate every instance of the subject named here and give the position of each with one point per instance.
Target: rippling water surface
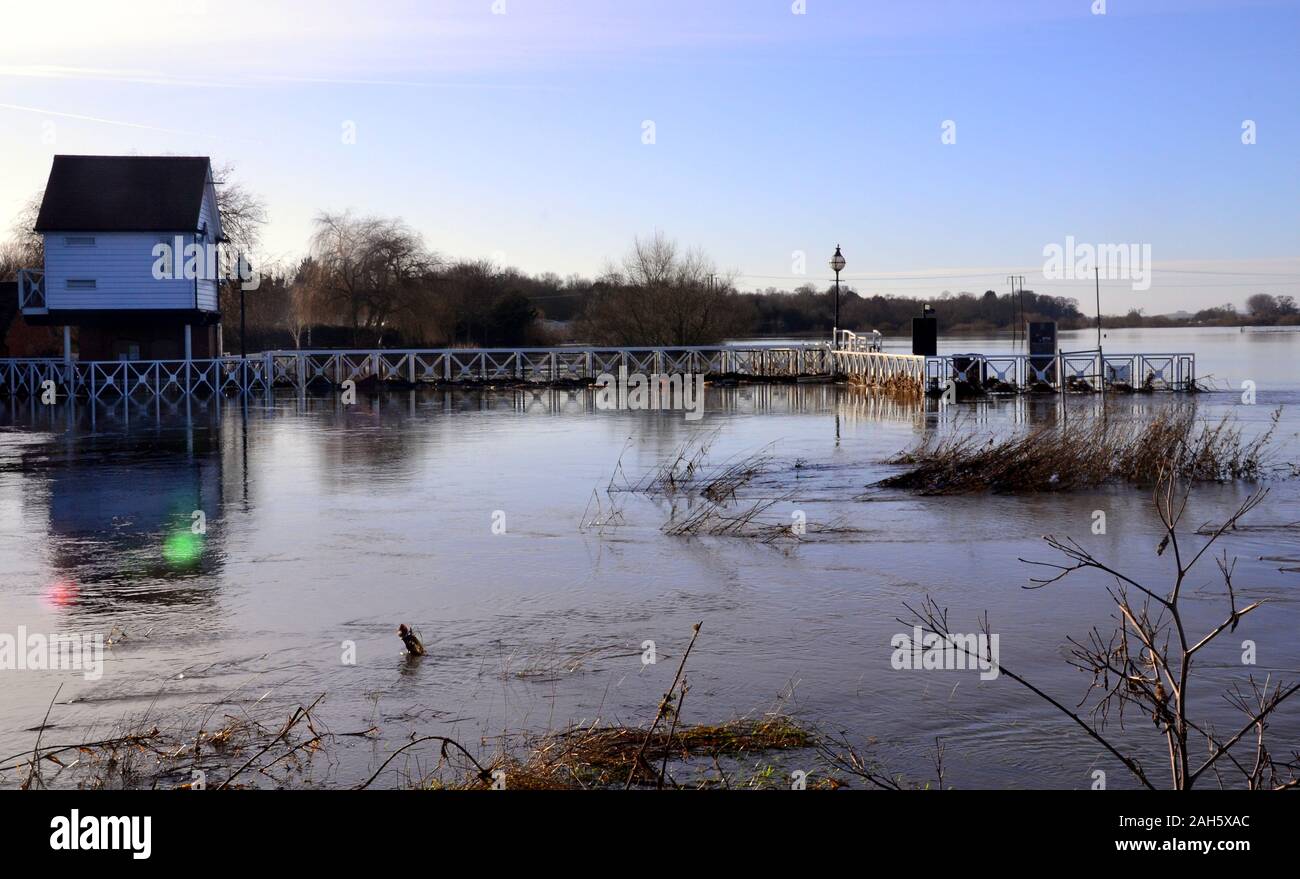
(330, 523)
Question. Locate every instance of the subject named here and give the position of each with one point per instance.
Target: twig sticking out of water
(299, 714)
(687, 472)
(710, 519)
(484, 775)
(665, 705)
(597, 517)
(672, 731)
(34, 771)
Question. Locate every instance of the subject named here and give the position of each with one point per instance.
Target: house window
(80, 284)
(79, 241)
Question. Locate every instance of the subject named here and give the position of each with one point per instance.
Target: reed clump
(713, 519)
(689, 472)
(1083, 455)
(707, 497)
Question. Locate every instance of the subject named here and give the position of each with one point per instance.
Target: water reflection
(328, 522)
(137, 522)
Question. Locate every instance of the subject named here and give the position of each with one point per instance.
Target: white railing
(847, 340)
(1175, 371)
(31, 290)
(874, 367)
(299, 369)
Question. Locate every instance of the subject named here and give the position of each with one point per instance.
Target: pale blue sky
(519, 135)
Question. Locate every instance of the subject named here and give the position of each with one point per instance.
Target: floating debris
(414, 646)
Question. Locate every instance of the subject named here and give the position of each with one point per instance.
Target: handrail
(31, 289)
(300, 368)
(848, 340)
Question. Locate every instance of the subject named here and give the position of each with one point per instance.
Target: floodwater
(328, 524)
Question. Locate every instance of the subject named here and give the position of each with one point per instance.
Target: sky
(944, 144)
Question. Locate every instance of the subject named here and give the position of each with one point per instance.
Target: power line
(928, 277)
(1121, 283)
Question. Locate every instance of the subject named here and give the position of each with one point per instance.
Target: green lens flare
(183, 548)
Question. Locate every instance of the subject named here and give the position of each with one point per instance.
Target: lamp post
(837, 264)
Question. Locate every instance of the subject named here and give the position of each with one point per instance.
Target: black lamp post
(837, 264)
(241, 262)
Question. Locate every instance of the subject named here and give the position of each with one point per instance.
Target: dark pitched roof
(123, 194)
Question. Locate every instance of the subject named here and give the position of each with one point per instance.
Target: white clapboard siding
(209, 220)
(121, 265)
(209, 217)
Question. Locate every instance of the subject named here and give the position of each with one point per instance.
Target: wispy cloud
(105, 74)
(100, 120)
(245, 81)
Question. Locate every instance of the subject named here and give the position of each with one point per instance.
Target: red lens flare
(61, 593)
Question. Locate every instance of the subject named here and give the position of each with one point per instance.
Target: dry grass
(1087, 454)
(706, 497)
(591, 757)
(235, 750)
(688, 472)
(896, 384)
(712, 519)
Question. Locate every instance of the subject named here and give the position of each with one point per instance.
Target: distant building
(102, 219)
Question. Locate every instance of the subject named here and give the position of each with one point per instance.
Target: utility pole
(1024, 331)
(1015, 323)
(1101, 360)
(1017, 309)
(1096, 277)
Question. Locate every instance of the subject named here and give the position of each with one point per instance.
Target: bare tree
(243, 213)
(25, 248)
(243, 216)
(660, 295)
(1145, 664)
(369, 269)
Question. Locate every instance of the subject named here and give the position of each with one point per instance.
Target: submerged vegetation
(592, 757)
(709, 499)
(1072, 456)
(246, 748)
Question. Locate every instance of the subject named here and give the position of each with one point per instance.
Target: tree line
(368, 281)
